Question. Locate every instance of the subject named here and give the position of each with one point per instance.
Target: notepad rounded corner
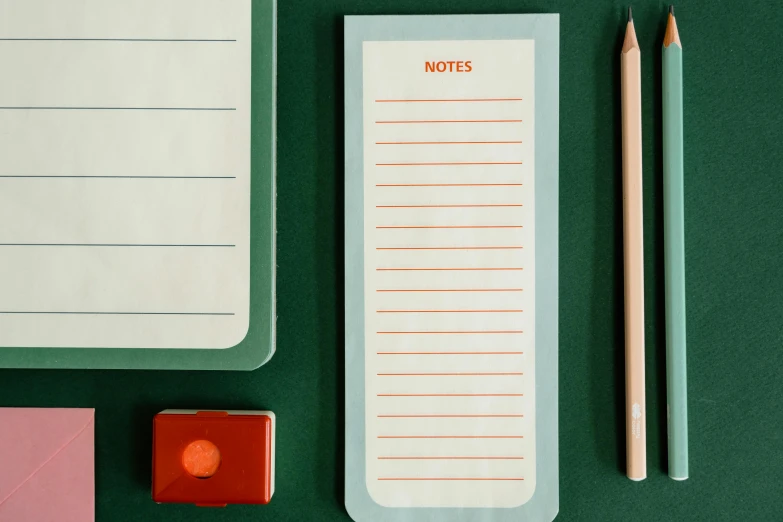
(352, 511)
(374, 494)
(530, 492)
(357, 508)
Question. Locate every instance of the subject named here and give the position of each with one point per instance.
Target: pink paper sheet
(48, 461)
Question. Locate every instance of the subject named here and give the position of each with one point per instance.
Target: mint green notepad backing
(258, 345)
(544, 30)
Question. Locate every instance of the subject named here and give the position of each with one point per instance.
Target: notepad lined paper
(124, 173)
(449, 246)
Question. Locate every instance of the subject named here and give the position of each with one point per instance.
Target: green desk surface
(734, 242)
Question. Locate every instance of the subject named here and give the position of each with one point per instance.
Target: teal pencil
(674, 252)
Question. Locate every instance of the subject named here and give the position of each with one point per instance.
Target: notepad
(453, 182)
(125, 182)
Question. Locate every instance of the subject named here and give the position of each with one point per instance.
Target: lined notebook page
(124, 173)
(449, 272)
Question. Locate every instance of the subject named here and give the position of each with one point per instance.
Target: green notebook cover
(196, 48)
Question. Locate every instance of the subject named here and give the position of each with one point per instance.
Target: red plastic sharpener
(213, 458)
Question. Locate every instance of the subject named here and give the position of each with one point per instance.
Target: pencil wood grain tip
(630, 41)
(672, 35)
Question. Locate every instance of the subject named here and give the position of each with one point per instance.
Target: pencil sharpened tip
(630, 14)
(671, 10)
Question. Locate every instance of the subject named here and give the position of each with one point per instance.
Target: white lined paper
(125, 173)
(449, 274)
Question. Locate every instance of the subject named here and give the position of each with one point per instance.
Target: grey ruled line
(118, 177)
(110, 245)
(118, 108)
(116, 313)
(207, 40)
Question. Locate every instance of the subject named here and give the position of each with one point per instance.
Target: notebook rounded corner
(255, 366)
(260, 355)
(235, 341)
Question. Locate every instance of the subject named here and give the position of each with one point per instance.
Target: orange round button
(201, 459)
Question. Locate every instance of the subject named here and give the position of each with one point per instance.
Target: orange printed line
(448, 142)
(480, 374)
(462, 332)
(448, 185)
(449, 121)
(427, 269)
(449, 206)
(449, 353)
(451, 100)
(446, 311)
(449, 163)
(454, 290)
(451, 458)
(450, 395)
(441, 478)
(452, 226)
(446, 416)
(454, 248)
(451, 437)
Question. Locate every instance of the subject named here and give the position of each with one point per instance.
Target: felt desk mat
(733, 226)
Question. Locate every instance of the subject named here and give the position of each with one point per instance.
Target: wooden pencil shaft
(633, 255)
(674, 253)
